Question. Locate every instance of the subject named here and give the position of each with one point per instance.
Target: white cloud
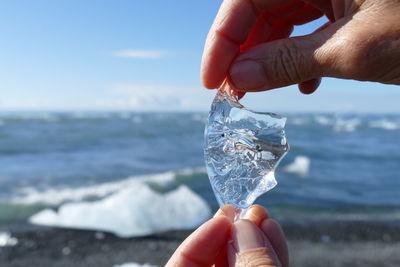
(141, 53)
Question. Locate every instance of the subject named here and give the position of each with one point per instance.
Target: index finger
(230, 29)
(202, 247)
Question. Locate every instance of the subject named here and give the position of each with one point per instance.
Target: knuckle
(288, 61)
(351, 57)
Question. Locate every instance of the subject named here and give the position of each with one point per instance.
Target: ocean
(340, 167)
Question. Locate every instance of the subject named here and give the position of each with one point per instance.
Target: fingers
(257, 241)
(325, 6)
(283, 62)
(266, 30)
(230, 30)
(271, 65)
(259, 216)
(241, 95)
(197, 250)
(309, 87)
(222, 260)
(275, 235)
(256, 214)
(306, 14)
(227, 211)
(274, 24)
(242, 24)
(250, 247)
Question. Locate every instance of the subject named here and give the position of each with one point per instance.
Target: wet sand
(335, 244)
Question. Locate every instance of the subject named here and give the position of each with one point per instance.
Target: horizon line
(187, 111)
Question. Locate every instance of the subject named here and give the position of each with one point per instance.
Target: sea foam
(133, 211)
(384, 124)
(57, 196)
(343, 125)
(323, 120)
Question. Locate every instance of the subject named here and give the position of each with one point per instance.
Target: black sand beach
(335, 244)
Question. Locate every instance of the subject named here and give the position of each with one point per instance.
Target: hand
(249, 43)
(255, 241)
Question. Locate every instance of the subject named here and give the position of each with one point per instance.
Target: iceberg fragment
(242, 149)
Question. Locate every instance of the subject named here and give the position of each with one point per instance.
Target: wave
(324, 120)
(298, 121)
(54, 196)
(340, 124)
(346, 123)
(135, 117)
(134, 211)
(60, 116)
(349, 125)
(24, 116)
(384, 124)
(300, 166)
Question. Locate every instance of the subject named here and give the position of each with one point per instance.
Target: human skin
(249, 44)
(255, 241)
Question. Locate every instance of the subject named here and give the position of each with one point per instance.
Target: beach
(335, 244)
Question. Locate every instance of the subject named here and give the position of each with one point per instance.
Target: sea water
(347, 164)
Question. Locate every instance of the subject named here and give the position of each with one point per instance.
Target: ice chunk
(6, 240)
(300, 166)
(133, 211)
(242, 149)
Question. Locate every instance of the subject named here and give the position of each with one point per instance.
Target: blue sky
(136, 55)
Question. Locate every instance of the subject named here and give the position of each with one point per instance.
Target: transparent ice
(242, 149)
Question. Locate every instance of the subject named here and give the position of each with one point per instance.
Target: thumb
(250, 247)
(283, 62)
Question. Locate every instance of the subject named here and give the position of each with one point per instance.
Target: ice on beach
(133, 211)
(242, 149)
(7, 240)
(300, 166)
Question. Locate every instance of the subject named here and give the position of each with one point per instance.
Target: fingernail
(227, 211)
(247, 75)
(246, 235)
(256, 214)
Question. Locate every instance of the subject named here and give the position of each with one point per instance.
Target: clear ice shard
(242, 149)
